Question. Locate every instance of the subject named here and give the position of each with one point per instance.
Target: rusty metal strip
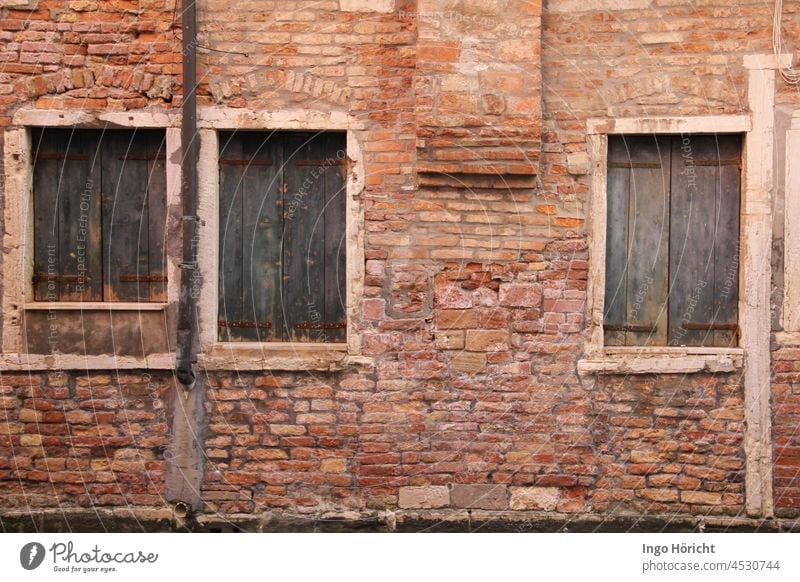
(62, 157)
(713, 163)
(231, 162)
(711, 326)
(155, 278)
(45, 277)
(331, 162)
(630, 165)
(161, 158)
(244, 323)
(312, 325)
(633, 328)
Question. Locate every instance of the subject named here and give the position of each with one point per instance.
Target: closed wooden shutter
(282, 232)
(99, 204)
(250, 226)
(672, 240)
(134, 215)
(704, 247)
(67, 244)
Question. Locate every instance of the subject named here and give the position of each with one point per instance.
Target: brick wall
(475, 288)
(91, 440)
(89, 55)
(670, 444)
(786, 420)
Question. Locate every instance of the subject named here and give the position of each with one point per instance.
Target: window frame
(18, 290)
(105, 143)
(599, 358)
(648, 172)
(215, 354)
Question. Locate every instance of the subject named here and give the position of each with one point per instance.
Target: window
(282, 249)
(672, 242)
(99, 204)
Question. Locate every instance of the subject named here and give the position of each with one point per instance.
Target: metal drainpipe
(187, 308)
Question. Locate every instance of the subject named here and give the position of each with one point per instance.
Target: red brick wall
(91, 440)
(89, 55)
(474, 308)
(786, 429)
(670, 444)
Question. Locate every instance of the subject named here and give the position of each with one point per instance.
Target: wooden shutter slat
(335, 241)
(262, 228)
(616, 286)
(648, 236)
(230, 241)
(81, 230)
(637, 243)
(46, 173)
(125, 231)
(726, 249)
(157, 214)
(697, 235)
(303, 252)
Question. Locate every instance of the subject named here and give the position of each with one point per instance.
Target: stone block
(430, 497)
(542, 498)
(479, 496)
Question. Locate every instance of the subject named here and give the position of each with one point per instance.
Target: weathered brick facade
(463, 386)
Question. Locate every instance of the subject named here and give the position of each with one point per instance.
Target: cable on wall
(789, 74)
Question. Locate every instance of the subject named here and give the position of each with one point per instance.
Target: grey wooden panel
(701, 227)
(727, 251)
(262, 219)
(126, 253)
(335, 241)
(157, 213)
(303, 250)
(67, 210)
(282, 199)
(230, 238)
(97, 332)
(637, 240)
(616, 287)
(46, 172)
(648, 240)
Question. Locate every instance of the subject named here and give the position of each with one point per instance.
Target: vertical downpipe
(185, 461)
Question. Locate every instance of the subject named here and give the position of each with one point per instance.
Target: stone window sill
(633, 360)
(93, 306)
(317, 357)
(64, 362)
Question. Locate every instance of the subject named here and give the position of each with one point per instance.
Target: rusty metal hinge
(312, 325)
(633, 328)
(45, 277)
(155, 278)
(233, 162)
(244, 323)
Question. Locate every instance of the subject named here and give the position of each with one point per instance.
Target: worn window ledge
(62, 362)
(319, 357)
(93, 306)
(662, 361)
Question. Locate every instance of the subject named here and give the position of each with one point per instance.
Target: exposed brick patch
(670, 444)
(785, 422)
(88, 441)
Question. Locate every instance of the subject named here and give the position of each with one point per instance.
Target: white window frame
(17, 297)
(276, 355)
(646, 359)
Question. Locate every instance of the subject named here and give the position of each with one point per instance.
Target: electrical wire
(789, 74)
